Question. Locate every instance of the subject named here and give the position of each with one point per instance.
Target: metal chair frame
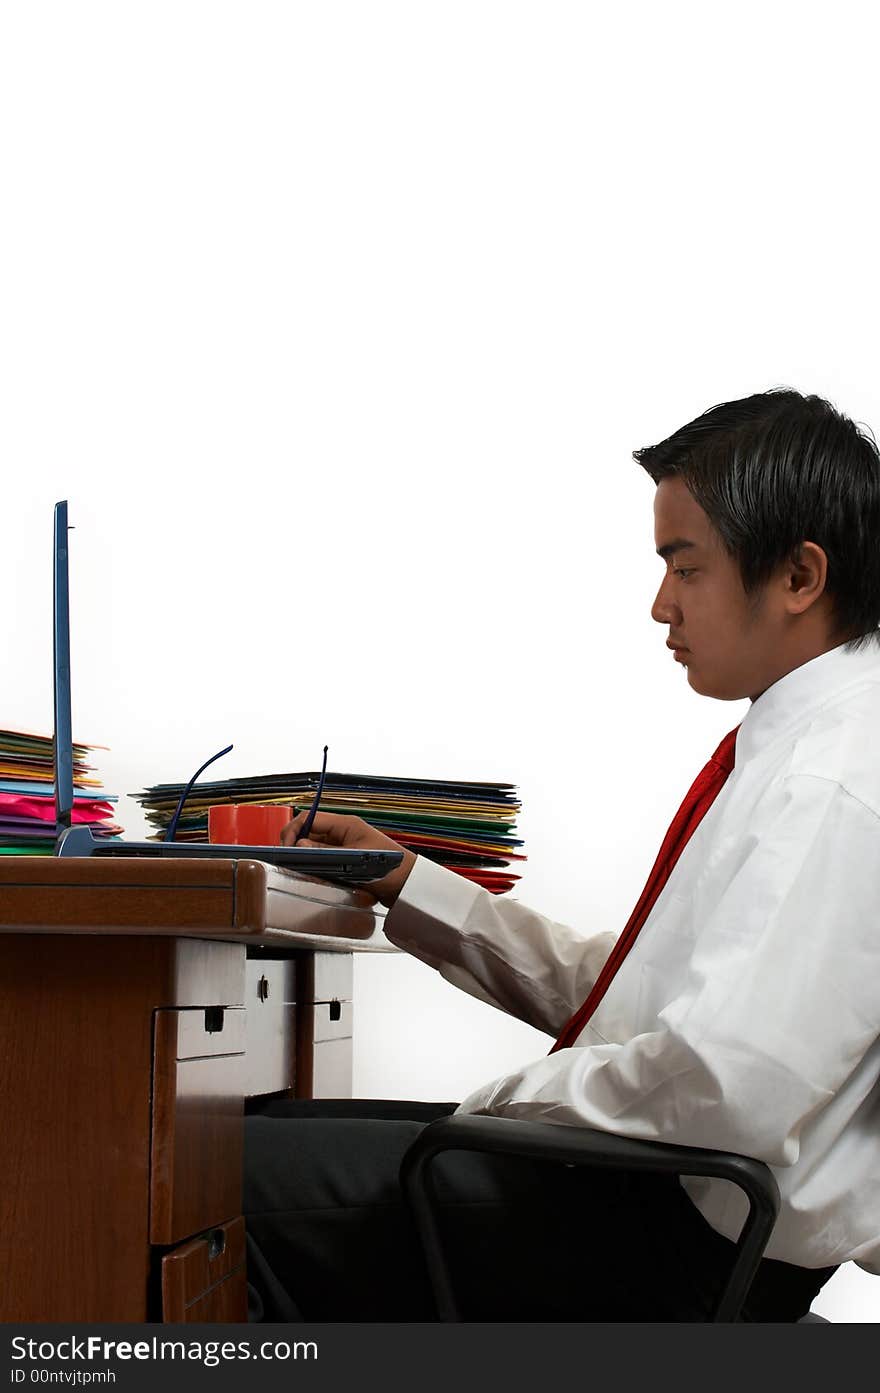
(586, 1147)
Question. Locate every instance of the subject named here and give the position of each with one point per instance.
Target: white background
(337, 325)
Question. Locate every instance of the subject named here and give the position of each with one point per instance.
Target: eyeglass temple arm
(307, 825)
(172, 826)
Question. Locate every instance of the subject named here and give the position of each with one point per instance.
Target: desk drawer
(332, 1070)
(333, 1020)
(270, 994)
(197, 1122)
(204, 1280)
(213, 1030)
(333, 977)
(324, 1026)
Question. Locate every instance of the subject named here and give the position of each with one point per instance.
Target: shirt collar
(802, 692)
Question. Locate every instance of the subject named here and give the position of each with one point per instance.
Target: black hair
(777, 469)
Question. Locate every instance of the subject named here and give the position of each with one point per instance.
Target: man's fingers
(291, 830)
(328, 829)
(336, 829)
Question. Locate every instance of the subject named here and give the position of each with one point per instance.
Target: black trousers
(330, 1237)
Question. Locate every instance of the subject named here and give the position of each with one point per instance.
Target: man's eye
(683, 571)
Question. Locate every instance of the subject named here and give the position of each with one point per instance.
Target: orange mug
(247, 824)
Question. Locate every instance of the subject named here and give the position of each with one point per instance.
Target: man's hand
(333, 829)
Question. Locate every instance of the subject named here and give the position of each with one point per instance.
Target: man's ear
(804, 576)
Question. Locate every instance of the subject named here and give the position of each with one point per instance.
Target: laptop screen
(61, 665)
(337, 863)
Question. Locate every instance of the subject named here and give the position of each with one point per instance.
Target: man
(744, 1013)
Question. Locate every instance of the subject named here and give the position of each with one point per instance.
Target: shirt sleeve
(778, 1005)
(495, 949)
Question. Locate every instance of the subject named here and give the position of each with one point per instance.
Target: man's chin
(704, 686)
(698, 683)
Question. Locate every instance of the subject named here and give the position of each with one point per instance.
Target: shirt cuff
(430, 892)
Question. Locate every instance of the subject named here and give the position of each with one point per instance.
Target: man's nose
(664, 609)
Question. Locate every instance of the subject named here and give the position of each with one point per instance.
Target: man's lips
(676, 647)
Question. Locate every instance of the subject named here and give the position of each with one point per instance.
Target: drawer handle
(213, 1019)
(335, 1011)
(216, 1243)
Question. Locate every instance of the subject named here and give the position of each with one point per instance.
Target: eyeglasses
(306, 827)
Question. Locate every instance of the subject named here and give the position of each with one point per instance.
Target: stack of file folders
(468, 827)
(27, 795)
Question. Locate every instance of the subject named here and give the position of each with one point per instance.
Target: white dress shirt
(746, 1017)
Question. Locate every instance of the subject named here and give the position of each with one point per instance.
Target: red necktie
(699, 799)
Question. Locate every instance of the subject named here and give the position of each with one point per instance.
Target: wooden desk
(141, 1003)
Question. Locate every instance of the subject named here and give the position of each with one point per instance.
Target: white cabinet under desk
(299, 1024)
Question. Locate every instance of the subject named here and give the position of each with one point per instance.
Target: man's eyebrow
(679, 544)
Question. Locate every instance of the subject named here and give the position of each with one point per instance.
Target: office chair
(581, 1146)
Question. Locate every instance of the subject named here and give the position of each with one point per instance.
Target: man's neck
(804, 652)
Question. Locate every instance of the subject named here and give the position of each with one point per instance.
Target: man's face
(727, 641)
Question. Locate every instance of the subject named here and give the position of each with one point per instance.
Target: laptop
(335, 864)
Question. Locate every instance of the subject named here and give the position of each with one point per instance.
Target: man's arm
(495, 949)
